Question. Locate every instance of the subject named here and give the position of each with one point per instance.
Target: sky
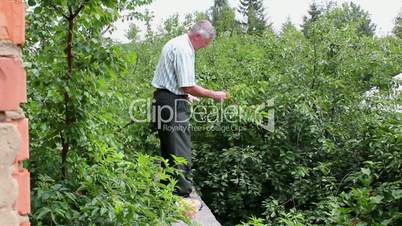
(382, 12)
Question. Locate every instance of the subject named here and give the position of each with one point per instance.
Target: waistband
(184, 96)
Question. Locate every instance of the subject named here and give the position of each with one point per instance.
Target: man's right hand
(199, 91)
(220, 95)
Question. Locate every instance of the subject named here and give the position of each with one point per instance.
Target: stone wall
(14, 140)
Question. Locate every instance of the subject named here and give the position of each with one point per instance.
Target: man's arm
(199, 91)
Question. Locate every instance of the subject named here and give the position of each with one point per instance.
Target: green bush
(113, 191)
(301, 173)
(85, 168)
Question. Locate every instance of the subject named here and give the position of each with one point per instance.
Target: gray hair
(204, 28)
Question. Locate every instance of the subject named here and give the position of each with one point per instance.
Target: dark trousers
(171, 115)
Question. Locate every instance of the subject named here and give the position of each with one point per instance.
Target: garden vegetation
(333, 158)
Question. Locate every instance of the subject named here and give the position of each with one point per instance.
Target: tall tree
(223, 17)
(217, 9)
(288, 26)
(76, 45)
(355, 13)
(133, 32)
(314, 12)
(397, 30)
(253, 11)
(349, 14)
(148, 17)
(172, 26)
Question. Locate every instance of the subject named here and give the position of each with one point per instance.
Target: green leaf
(366, 171)
(397, 194)
(376, 199)
(42, 211)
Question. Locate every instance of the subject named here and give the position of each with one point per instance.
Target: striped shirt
(176, 67)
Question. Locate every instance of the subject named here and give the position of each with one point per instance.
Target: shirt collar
(189, 42)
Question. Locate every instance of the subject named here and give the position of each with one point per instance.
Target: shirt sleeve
(184, 68)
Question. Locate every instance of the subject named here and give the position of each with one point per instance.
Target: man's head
(201, 34)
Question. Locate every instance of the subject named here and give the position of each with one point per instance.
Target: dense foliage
(334, 157)
(83, 171)
(331, 159)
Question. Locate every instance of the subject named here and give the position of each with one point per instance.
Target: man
(175, 83)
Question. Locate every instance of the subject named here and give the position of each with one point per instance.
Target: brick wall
(14, 140)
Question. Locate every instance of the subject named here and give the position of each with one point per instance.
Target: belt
(170, 92)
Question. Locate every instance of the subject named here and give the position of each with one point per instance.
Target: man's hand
(192, 98)
(199, 91)
(220, 95)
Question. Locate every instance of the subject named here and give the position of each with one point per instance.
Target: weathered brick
(8, 217)
(8, 189)
(23, 202)
(9, 49)
(10, 143)
(25, 224)
(22, 126)
(12, 84)
(12, 21)
(11, 115)
(24, 220)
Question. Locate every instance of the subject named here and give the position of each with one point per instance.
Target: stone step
(204, 217)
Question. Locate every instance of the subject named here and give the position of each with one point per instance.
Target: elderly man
(175, 82)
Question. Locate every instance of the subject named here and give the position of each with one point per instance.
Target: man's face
(203, 42)
(206, 42)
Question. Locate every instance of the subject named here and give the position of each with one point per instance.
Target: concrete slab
(203, 218)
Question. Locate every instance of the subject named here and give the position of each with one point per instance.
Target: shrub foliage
(334, 157)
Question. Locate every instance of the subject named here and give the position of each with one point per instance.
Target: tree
(172, 26)
(133, 32)
(349, 14)
(288, 25)
(397, 30)
(223, 17)
(355, 13)
(314, 12)
(148, 20)
(73, 73)
(82, 171)
(253, 10)
(217, 9)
